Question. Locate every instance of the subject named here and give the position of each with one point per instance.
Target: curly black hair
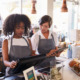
(12, 20)
(44, 19)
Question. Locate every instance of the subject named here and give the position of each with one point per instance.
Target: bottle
(69, 51)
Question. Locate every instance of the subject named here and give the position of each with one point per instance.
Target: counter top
(67, 73)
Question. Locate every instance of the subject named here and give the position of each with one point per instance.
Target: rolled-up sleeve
(56, 38)
(34, 41)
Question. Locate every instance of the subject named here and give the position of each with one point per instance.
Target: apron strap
(11, 43)
(39, 40)
(39, 37)
(53, 38)
(26, 41)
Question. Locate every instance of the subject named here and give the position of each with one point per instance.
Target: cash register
(23, 64)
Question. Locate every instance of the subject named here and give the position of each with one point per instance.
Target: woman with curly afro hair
(17, 46)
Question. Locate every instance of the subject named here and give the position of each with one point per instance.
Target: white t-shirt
(16, 42)
(35, 39)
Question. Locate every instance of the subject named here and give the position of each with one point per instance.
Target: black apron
(17, 52)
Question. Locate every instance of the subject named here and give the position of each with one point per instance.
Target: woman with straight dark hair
(45, 41)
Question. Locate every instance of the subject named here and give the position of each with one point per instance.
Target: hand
(51, 53)
(13, 64)
(58, 54)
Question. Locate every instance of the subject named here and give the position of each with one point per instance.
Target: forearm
(6, 63)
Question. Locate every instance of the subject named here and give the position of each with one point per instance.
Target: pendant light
(33, 7)
(64, 7)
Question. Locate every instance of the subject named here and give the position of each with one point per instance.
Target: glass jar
(54, 71)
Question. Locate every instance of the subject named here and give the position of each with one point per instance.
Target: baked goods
(75, 66)
(72, 63)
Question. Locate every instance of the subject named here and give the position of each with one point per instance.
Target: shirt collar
(40, 33)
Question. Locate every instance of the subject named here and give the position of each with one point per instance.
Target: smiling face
(19, 30)
(44, 27)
